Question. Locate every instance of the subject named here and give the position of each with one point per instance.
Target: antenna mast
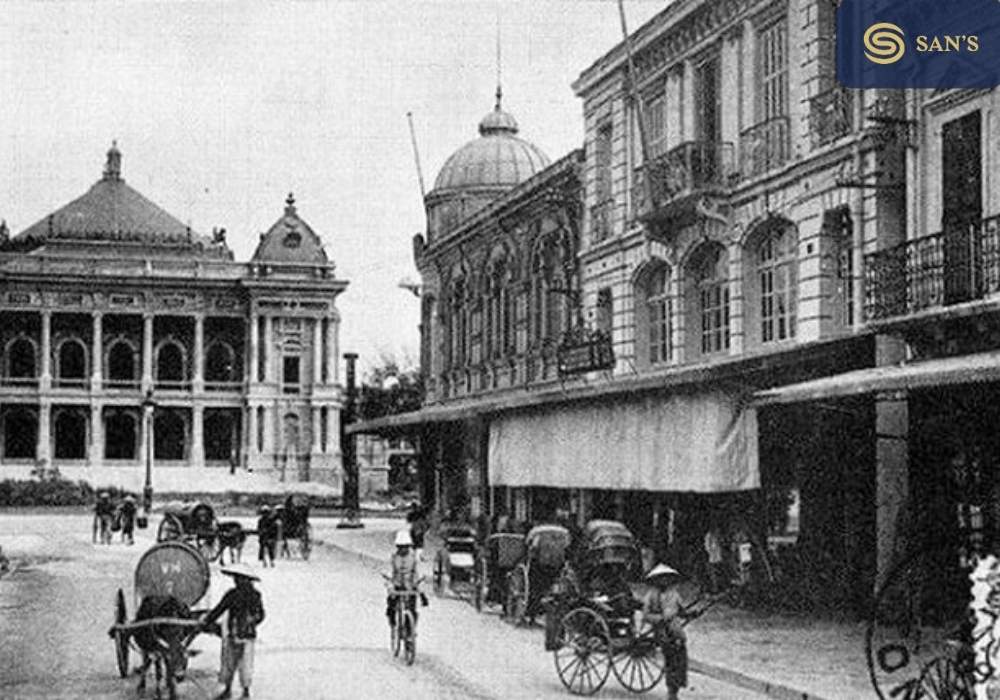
(416, 156)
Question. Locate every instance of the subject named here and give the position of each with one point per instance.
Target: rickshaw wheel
(640, 665)
(305, 543)
(942, 680)
(439, 574)
(121, 636)
(517, 595)
(170, 528)
(583, 657)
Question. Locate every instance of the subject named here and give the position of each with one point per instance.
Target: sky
(221, 109)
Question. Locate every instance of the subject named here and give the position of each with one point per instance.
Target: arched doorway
(20, 432)
(72, 362)
(71, 433)
(169, 435)
(220, 363)
(121, 362)
(221, 434)
(170, 363)
(120, 435)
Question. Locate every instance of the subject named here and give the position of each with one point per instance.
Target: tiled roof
(291, 240)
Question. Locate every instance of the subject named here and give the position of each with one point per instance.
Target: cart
(456, 561)
(169, 571)
(295, 526)
(501, 553)
(545, 556)
(194, 523)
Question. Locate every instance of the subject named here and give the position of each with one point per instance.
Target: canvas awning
(947, 371)
(705, 442)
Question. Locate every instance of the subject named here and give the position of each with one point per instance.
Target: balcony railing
(959, 264)
(691, 167)
(764, 147)
(831, 116)
(600, 220)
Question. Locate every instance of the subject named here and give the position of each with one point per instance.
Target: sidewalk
(782, 657)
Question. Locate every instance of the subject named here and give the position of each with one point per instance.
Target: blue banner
(918, 43)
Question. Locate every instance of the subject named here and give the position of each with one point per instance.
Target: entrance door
(962, 205)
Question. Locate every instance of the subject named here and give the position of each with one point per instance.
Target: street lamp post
(148, 406)
(348, 446)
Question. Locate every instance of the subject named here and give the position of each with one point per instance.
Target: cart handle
(175, 621)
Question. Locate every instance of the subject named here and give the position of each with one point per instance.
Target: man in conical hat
(245, 610)
(662, 607)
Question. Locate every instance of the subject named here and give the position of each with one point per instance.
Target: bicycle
(403, 634)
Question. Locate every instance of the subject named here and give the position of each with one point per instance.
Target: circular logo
(884, 43)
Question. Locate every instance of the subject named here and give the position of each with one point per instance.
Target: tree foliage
(388, 390)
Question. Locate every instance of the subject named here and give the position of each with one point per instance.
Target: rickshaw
(295, 526)
(457, 561)
(546, 547)
(501, 553)
(194, 523)
(174, 571)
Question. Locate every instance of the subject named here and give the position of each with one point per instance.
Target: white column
(333, 430)
(147, 351)
(252, 431)
(332, 353)
(197, 435)
(96, 354)
(317, 352)
(44, 440)
(46, 368)
(254, 349)
(95, 455)
(317, 428)
(198, 379)
(268, 348)
(268, 430)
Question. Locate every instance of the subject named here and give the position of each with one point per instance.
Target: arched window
(654, 308)
(120, 435)
(169, 435)
(170, 364)
(121, 362)
(72, 360)
(459, 325)
(708, 300)
(21, 358)
(220, 363)
(549, 307)
(497, 312)
(71, 434)
(20, 432)
(772, 288)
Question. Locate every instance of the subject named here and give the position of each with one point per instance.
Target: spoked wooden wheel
(170, 528)
(583, 659)
(121, 636)
(941, 679)
(517, 595)
(640, 665)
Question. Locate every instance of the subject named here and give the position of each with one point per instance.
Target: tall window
(708, 102)
(656, 124)
(658, 310)
(711, 287)
(459, 336)
(604, 312)
(602, 161)
(775, 256)
(773, 71)
(497, 325)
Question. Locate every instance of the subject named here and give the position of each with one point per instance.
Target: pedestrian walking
(245, 611)
(104, 512)
(126, 514)
(662, 608)
(267, 536)
(713, 550)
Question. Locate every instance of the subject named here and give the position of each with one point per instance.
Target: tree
(388, 390)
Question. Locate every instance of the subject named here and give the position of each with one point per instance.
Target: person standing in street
(662, 608)
(245, 609)
(267, 536)
(127, 512)
(713, 550)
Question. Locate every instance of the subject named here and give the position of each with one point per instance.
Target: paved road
(325, 636)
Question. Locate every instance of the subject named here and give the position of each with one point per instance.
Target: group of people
(274, 527)
(110, 517)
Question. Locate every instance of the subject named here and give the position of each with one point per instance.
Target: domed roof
(111, 211)
(498, 158)
(290, 240)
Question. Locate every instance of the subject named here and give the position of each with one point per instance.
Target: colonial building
(126, 336)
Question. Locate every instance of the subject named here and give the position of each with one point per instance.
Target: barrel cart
(546, 547)
(194, 523)
(170, 579)
(456, 562)
(500, 554)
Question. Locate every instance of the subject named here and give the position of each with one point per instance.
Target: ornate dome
(497, 159)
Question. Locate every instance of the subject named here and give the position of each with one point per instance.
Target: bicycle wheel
(583, 658)
(640, 665)
(409, 638)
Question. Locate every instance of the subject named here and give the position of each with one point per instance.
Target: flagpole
(637, 101)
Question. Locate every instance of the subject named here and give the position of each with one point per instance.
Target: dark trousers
(265, 552)
(674, 647)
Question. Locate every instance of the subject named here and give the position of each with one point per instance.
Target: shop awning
(947, 371)
(698, 442)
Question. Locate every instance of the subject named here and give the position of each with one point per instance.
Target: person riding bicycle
(404, 576)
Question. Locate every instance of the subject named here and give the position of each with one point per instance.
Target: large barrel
(172, 569)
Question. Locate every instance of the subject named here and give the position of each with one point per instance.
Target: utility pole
(348, 446)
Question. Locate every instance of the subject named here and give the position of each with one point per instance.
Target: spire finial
(290, 204)
(113, 166)
(499, 62)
